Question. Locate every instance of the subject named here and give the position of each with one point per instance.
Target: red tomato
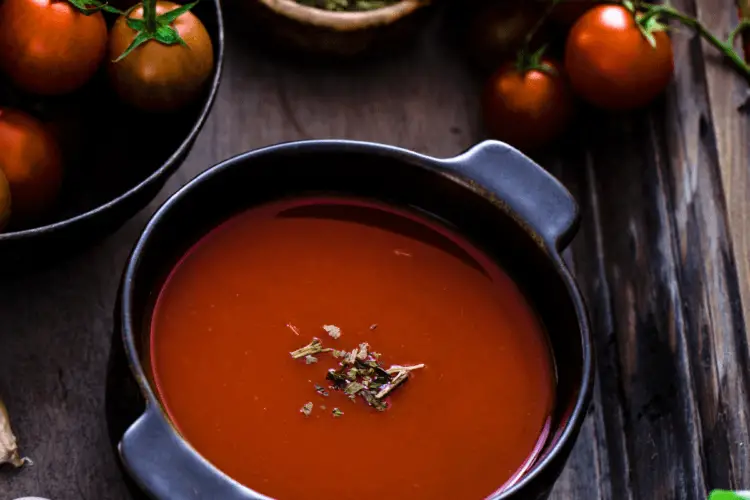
(158, 77)
(527, 110)
(30, 160)
(4, 200)
(611, 64)
(49, 47)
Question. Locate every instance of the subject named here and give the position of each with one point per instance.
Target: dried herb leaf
(333, 331)
(310, 359)
(306, 409)
(339, 379)
(337, 413)
(362, 354)
(353, 388)
(351, 357)
(321, 390)
(378, 404)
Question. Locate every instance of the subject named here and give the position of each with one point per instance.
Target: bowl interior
(108, 147)
(385, 175)
(343, 21)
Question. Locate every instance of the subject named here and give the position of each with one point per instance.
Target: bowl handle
(165, 467)
(533, 195)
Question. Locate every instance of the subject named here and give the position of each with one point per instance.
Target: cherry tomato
(4, 201)
(158, 77)
(49, 47)
(527, 110)
(612, 65)
(30, 160)
(498, 29)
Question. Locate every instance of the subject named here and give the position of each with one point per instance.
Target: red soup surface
(265, 283)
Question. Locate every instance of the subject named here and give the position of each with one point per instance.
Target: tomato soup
(477, 395)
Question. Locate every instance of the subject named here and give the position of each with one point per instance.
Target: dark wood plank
(726, 92)
(666, 300)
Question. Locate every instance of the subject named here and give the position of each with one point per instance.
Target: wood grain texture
(663, 258)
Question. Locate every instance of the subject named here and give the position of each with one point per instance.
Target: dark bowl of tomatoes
(87, 140)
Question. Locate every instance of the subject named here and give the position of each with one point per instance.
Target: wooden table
(663, 257)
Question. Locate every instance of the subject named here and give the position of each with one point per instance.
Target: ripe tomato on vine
(617, 59)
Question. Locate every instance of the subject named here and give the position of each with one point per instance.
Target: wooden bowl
(308, 29)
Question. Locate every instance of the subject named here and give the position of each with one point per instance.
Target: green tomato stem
(149, 15)
(726, 48)
(741, 27)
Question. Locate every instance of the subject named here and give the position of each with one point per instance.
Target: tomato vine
(648, 15)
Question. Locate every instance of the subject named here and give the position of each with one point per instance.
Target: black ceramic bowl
(116, 158)
(492, 194)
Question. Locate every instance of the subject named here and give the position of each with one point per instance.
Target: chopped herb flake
(310, 359)
(353, 388)
(337, 413)
(306, 409)
(362, 354)
(333, 330)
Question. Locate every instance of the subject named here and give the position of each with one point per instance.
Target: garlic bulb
(8, 444)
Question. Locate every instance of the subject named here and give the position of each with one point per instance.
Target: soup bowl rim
(128, 332)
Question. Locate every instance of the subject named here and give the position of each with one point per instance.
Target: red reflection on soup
(266, 283)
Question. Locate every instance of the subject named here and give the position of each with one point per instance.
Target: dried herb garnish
(310, 359)
(306, 409)
(376, 403)
(359, 374)
(336, 412)
(333, 331)
(386, 389)
(348, 5)
(313, 347)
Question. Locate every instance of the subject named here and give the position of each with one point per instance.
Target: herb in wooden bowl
(348, 5)
(338, 28)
